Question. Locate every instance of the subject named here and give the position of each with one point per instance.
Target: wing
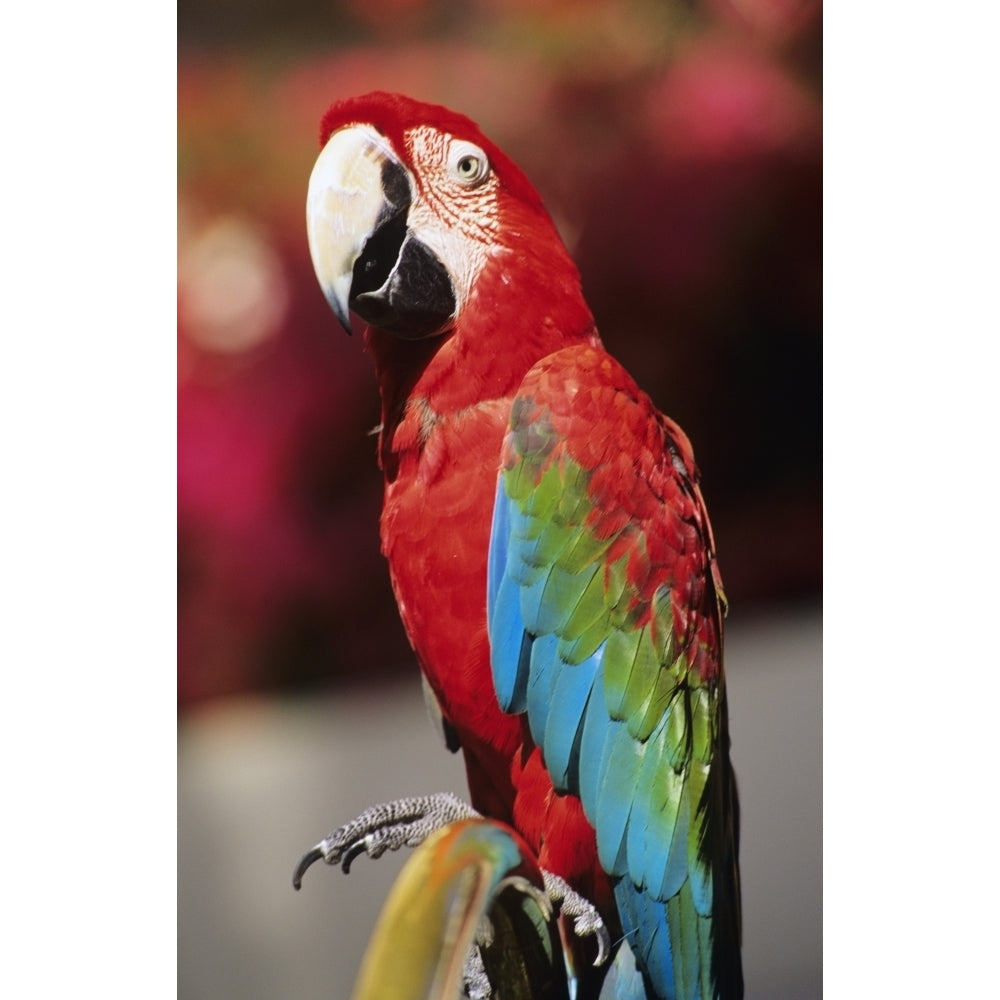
(605, 618)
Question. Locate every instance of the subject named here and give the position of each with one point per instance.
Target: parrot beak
(343, 208)
(365, 257)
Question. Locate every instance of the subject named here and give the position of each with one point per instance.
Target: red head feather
(395, 114)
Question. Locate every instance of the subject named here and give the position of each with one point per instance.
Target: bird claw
(476, 983)
(307, 859)
(587, 921)
(408, 823)
(387, 827)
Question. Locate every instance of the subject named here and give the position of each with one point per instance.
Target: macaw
(548, 546)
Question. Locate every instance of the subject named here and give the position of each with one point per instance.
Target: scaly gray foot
(403, 823)
(477, 983)
(408, 823)
(586, 920)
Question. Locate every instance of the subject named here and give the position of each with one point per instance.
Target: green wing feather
(600, 525)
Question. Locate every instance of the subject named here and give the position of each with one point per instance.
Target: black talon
(304, 862)
(358, 847)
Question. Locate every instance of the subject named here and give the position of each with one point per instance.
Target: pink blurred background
(678, 145)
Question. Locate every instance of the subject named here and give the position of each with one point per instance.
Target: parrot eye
(468, 164)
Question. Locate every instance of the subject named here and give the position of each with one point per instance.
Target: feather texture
(602, 553)
(606, 745)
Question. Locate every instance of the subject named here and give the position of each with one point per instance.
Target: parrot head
(409, 204)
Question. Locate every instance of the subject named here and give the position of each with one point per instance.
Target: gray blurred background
(261, 779)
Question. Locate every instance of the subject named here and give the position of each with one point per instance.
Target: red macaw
(547, 542)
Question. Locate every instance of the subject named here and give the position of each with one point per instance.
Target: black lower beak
(400, 286)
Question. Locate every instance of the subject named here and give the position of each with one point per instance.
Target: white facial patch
(456, 214)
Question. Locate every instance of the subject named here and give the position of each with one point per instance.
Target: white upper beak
(343, 207)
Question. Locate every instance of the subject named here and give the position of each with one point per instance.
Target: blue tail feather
(644, 919)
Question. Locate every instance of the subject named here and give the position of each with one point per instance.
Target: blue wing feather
(591, 753)
(510, 658)
(496, 560)
(544, 668)
(566, 713)
(605, 679)
(616, 794)
(505, 623)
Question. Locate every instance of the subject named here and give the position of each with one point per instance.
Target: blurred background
(678, 145)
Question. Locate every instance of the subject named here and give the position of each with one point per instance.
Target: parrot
(548, 547)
